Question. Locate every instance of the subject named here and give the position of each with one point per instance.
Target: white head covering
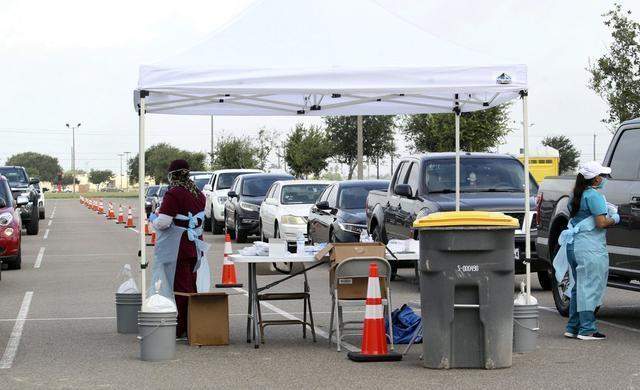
(592, 169)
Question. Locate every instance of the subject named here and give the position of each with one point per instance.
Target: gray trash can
(466, 286)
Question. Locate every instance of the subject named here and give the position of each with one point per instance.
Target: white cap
(592, 169)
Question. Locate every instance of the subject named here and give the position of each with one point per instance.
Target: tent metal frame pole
(360, 146)
(456, 111)
(141, 198)
(527, 191)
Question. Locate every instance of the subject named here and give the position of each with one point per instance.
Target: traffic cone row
(120, 220)
(374, 340)
(130, 223)
(111, 214)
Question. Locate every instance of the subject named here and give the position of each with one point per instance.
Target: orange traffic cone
(374, 341)
(229, 278)
(147, 231)
(120, 216)
(129, 219)
(111, 214)
(152, 242)
(101, 207)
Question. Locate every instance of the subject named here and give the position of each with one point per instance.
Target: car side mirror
(270, 201)
(207, 187)
(45, 189)
(232, 194)
(323, 205)
(403, 190)
(33, 181)
(22, 201)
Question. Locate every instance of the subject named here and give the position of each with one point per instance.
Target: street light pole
(73, 155)
(126, 175)
(120, 155)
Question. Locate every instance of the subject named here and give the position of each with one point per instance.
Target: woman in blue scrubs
(587, 254)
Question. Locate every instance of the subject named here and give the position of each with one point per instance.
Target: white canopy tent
(334, 57)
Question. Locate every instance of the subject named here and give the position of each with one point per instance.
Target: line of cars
(21, 206)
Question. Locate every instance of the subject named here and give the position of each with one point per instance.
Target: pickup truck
(426, 184)
(623, 190)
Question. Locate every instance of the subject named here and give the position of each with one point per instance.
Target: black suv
(242, 209)
(20, 184)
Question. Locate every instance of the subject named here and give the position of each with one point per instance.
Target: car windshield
(14, 175)
(301, 193)
(201, 182)
(5, 193)
(225, 180)
(477, 175)
(258, 186)
(162, 191)
(352, 198)
(153, 190)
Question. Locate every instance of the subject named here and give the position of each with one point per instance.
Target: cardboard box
(344, 250)
(208, 318)
(355, 287)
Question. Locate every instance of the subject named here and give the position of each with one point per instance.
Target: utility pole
(120, 155)
(211, 156)
(73, 154)
(126, 171)
(359, 147)
(594, 146)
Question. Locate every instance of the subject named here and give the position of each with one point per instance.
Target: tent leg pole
(456, 111)
(360, 147)
(527, 191)
(141, 198)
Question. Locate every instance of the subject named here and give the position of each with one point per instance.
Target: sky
(76, 61)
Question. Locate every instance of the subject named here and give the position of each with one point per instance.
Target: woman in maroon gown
(183, 197)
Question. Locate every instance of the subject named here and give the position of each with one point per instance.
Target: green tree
(232, 152)
(67, 179)
(157, 160)
(616, 75)
(479, 130)
(378, 135)
(307, 150)
(37, 165)
(99, 176)
(569, 155)
(264, 145)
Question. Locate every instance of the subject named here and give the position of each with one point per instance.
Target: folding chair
(305, 295)
(357, 267)
(418, 332)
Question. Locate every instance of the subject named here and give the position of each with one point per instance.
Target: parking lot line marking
(39, 258)
(612, 324)
(319, 332)
(46, 234)
(49, 224)
(16, 334)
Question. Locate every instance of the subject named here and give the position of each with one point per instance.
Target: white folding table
(252, 305)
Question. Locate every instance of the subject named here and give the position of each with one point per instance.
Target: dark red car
(10, 226)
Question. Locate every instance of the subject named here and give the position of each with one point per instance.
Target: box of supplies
(344, 250)
(208, 318)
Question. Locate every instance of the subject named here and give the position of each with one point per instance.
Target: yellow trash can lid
(466, 218)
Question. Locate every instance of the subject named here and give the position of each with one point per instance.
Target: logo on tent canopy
(503, 79)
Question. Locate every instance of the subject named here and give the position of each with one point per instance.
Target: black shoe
(593, 336)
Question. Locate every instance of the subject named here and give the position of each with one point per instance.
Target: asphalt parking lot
(57, 330)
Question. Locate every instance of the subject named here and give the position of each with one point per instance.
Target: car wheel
(544, 278)
(378, 234)
(276, 231)
(207, 223)
(217, 227)
(34, 224)
(558, 289)
(309, 236)
(16, 262)
(241, 235)
(232, 232)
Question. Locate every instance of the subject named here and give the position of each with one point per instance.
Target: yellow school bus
(543, 162)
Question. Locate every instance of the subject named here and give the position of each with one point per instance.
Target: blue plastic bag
(405, 322)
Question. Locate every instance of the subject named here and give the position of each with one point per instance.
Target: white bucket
(526, 326)
(157, 335)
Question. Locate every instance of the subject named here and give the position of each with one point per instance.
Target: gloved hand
(616, 218)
